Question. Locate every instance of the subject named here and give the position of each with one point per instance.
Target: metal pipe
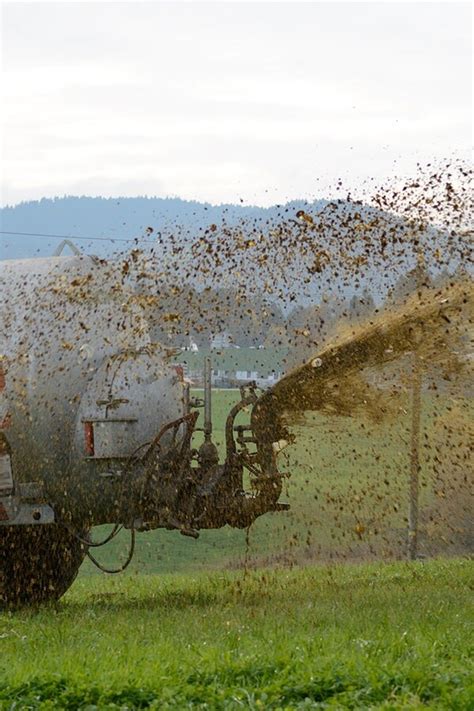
(186, 399)
(207, 399)
(229, 424)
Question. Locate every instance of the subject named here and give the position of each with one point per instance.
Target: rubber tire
(37, 563)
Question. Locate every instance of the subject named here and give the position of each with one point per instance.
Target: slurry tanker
(96, 426)
(97, 421)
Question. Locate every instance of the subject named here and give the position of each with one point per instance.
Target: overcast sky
(227, 101)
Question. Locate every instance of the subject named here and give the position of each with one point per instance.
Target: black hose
(92, 544)
(122, 567)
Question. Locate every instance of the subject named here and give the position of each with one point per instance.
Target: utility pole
(414, 458)
(415, 431)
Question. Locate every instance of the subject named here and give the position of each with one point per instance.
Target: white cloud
(219, 101)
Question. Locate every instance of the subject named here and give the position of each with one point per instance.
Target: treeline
(182, 315)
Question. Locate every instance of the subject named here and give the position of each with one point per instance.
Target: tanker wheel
(37, 563)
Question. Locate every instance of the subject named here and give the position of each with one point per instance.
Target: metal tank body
(84, 388)
(96, 427)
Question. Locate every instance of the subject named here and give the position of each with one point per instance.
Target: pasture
(295, 613)
(373, 636)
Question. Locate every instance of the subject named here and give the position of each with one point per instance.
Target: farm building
(232, 367)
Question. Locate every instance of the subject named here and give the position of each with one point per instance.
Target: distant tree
(409, 283)
(361, 306)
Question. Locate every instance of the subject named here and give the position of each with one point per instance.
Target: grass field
(391, 636)
(235, 621)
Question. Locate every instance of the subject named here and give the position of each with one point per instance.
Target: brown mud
(434, 325)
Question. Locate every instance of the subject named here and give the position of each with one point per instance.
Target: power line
(87, 239)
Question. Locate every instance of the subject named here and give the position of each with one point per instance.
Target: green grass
(391, 636)
(235, 622)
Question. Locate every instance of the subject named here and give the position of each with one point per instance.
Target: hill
(293, 254)
(122, 218)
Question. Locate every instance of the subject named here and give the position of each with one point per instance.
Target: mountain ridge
(120, 218)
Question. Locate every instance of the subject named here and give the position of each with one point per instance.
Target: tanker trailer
(96, 425)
